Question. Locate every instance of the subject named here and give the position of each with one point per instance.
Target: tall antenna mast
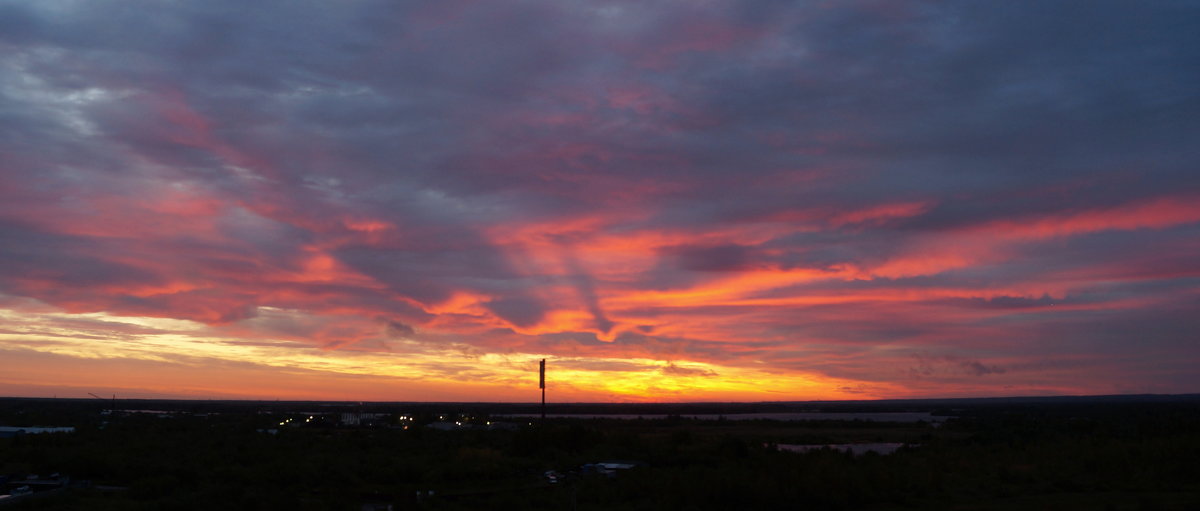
(542, 385)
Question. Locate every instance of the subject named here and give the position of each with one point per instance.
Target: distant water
(792, 416)
(855, 449)
(35, 430)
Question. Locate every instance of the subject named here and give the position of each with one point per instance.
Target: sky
(668, 201)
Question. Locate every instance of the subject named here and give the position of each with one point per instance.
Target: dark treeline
(994, 454)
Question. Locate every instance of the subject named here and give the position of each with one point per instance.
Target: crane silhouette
(114, 401)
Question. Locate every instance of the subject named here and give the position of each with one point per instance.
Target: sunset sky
(668, 201)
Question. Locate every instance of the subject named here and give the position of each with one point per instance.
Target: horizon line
(1189, 395)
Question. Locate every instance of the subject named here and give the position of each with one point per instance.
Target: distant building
(362, 419)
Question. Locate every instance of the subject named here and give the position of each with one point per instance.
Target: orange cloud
(1154, 213)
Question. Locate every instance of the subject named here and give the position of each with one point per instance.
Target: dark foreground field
(1090, 453)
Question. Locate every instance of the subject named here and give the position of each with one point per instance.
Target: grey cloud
(977, 368)
(396, 329)
(932, 366)
(673, 370)
(586, 289)
(519, 310)
(711, 258)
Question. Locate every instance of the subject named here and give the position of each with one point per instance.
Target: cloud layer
(676, 200)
